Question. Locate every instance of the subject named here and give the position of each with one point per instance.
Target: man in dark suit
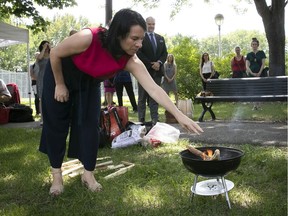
(153, 54)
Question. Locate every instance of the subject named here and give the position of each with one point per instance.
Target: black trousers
(143, 96)
(36, 98)
(119, 86)
(80, 115)
(206, 76)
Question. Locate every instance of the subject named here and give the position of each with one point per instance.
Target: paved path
(247, 132)
(35, 124)
(221, 132)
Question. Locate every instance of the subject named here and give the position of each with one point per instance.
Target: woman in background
(109, 90)
(255, 60)
(170, 72)
(255, 63)
(41, 60)
(238, 64)
(206, 69)
(34, 70)
(121, 80)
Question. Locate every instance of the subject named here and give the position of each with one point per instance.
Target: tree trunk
(273, 20)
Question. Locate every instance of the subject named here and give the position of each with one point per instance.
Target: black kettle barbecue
(228, 160)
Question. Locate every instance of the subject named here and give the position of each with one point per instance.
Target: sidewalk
(35, 124)
(244, 132)
(220, 132)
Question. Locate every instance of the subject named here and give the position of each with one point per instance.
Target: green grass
(269, 111)
(159, 184)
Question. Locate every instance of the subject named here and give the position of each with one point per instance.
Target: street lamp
(219, 19)
(108, 9)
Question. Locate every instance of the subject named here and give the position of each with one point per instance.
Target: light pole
(219, 19)
(108, 9)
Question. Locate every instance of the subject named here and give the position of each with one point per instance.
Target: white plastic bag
(163, 132)
(129, 137)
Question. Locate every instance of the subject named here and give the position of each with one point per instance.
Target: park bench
(254, 89)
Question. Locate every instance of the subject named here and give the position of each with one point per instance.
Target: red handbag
(123, 114)
(112, 123)
(4, 115)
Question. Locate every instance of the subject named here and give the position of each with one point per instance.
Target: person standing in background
(109, 90)
(255, 63)
(255, 60)
(153, 54)
(42, 59)
(121, 80)
(206, 69)
(34, 70)
(238, 64)
(170, 72)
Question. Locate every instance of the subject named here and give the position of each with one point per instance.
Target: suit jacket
(147, 55)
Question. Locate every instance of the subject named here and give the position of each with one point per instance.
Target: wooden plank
(119, 172)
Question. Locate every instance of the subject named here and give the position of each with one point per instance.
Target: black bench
(254, 89)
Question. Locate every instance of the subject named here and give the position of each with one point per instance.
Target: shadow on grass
(159, 184)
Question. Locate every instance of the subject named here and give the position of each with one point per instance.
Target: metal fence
(22, 80)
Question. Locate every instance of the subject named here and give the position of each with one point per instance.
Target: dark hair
(255, 40)
(40, 48)
(203, 60)
(119, 29)
(73, 31)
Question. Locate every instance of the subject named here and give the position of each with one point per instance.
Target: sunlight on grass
(9, 177)
(146, 197)
(30, 159)
(12, 149)
(278, 154)
(245, 197)
(15, 209)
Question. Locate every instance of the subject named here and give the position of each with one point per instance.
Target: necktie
(153, 42)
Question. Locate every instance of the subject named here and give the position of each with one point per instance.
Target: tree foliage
(273, 21)
(27, 9)
(186, 53)
(13, 57)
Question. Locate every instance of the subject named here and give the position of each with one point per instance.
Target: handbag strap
(116, 115)
(106, 122)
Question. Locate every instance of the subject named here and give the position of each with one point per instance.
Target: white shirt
(207, 67)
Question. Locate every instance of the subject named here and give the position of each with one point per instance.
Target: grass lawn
(159, 184)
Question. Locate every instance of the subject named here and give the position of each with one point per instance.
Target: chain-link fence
(21, 79)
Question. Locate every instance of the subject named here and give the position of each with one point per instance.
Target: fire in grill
(214, 163)
(228, 160)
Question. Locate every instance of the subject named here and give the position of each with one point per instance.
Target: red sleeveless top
(97, 61)
(238, 65)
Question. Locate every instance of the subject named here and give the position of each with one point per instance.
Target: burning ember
(207, 155)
